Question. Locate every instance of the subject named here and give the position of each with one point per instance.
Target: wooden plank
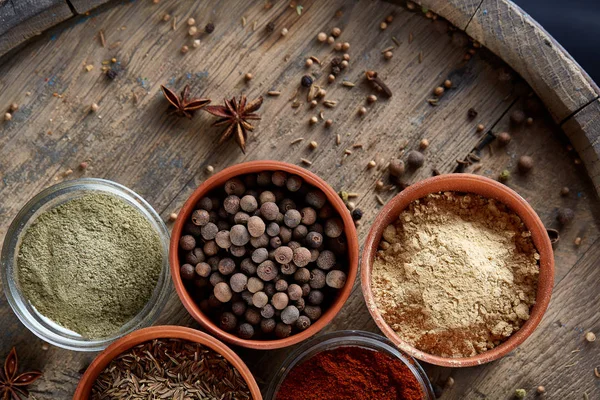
(584, 131)
(514, 36)
(23, 19)
(83, 6)
(458, 12)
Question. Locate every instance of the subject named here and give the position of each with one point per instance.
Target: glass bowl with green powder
(85, 262)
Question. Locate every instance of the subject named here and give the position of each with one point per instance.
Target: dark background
(575, 24)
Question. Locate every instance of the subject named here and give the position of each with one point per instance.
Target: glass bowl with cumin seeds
(51, 201)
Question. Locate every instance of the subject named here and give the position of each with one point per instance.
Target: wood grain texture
(23, 19)
(83, 6)
(584, 130)
(133, 141)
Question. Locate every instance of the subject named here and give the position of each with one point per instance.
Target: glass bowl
(50, 198)
(337, 339)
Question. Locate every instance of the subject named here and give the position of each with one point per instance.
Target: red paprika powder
(350, 373)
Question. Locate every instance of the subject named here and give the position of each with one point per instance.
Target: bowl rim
(468, 183)
(253, 167)
(346, 338)
(84, 387)
(30, 211)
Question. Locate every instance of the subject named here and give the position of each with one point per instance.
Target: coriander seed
(191, 21)
(447, 83)
(438, 91)
(196, 43)
(192, 30)
(388, 55)
(541, 390)
(564, 191)
(480, 128)
(248, 76)
(337, 47)
(383, 26)
(313, 120)
(308, 63)
(184, 49)
(330, 40)
(336, 32)
(423, 144)
(13, 107)
(345, 46)
(371, 99)
(322, 37)
(346, 57)
(328, 123)
(362, 111)
(590, 337)
(284, 32)
(94, 107)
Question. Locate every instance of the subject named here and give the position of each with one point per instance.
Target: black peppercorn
(270, 27)
(357, 214)
(209, 28)
(471, 113)
(306, 81)
(112, 74)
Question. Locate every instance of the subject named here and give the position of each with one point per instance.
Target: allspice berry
(267, 325)
(239, 235)
(187, 242)
(317, 279)
(269, 211)
(294, 291)
(267, 271)
(256, 226)
(503, 138)
(222, 292)
(326, 260)
(396, 167)
(282, 330)
(260, 299)
(301, 256)
(517, 117)
(334, 227)
(415, 159)
(525, 164)
(289, 315)
(302, 323)
(565, 216)
(245, 331)
(228, 321)
(292, 218)
(187, 271)
(283, 255)
(203, 269)
(280, 300)
(336, 279)
(238, 282)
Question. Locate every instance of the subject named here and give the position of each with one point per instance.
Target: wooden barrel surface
(56, 77)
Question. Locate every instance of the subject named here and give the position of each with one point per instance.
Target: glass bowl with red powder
(353, 365)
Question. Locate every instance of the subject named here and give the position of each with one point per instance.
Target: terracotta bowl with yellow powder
(400, 281)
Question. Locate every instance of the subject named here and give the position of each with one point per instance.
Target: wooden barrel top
(55, 77)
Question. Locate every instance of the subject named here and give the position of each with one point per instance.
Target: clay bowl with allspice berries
(467, 184)
(264, 254)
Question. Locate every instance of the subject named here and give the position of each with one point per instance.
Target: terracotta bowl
(470, 184)
(161, 332)
(218, 180)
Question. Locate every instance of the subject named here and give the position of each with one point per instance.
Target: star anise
(236, 115)
(12, 386)
(184, 106)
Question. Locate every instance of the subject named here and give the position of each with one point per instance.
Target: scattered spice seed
(191, 21)
(565, 216)
(165, 18)
(306, 81)
(83, 165)
(273, 93)
(313, 103)
(331, 78)
(270, 27)
(433, 102)
(520, 393)
(480, 127)
(504, 138)
(313, 145)
(244, 21)
(328, 123)
(94, 107)
(388, 55)
(330, 40)
(372, 77)
(192, 30)
(564, 191)
(248, 76)
(174, 23)
(196, 43)
(308, 63)
(7, 116)
(379, 199)
(338, 139)
(423, 144)
(284, 32)
(590, 337)
(387, 49)
(313, 120)
(541, 390)
(371, 164)
(336, 32)
(362, 111)
(172, 216)
(504, 175)
(597, 372)
(447, 83)
(346, 57)
(410, 38)
(315, 59)
(438, 91)
(305, 161)
(525, 164)
(420, 57)
(471, 113)
(529, 121)
(297, 140)
(348, 84)
(322, 37)
(330, 103)
(577, 241)
(184, 49)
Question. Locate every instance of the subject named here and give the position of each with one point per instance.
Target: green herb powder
(90, 264)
